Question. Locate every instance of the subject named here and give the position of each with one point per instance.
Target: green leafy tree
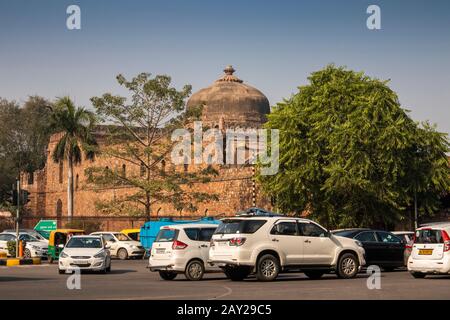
(137, 135)
(351, 156)
(24, 136)
(75, 125)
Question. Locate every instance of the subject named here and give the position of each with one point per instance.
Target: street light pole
(415, 210)
(17, 217)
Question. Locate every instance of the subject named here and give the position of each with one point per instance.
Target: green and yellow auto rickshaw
(57, 240)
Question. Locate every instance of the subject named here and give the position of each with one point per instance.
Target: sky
(273, 45)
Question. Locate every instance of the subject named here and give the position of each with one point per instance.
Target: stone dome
(229, 102)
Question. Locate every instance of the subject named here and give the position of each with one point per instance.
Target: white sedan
(85, 253)
(34, 248)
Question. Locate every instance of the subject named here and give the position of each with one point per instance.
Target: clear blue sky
(273, 45)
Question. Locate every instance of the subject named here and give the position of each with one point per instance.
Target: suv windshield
(84, 243)
(429, 236)
(231, 226)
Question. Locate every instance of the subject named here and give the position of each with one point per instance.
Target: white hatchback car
(34, 248)
(268, 245)
(121, 245)
(86, 253)
(430, 251)
(182, 249)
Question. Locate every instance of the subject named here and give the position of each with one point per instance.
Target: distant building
(228, 103)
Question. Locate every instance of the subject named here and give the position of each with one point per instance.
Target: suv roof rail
(257, 212)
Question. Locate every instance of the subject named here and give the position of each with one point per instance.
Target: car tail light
(409, 244)
(237, 241)
(446, 240)
(178, 245)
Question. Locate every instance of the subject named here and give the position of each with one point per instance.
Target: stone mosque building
(227, 103)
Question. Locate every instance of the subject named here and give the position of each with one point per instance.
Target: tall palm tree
(75, 124)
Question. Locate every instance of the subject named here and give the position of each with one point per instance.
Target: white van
(182, 248)
(431, 251)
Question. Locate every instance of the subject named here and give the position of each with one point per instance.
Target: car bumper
(429, 266)
(39, 254)
(173, 264)
(88, 264)
(136, 253)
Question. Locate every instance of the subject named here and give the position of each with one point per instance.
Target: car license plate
(426, 252)
(80, 261)
(160, 250)
(222, 243)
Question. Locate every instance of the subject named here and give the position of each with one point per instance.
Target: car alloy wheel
(122, 254)
(195, 270)
(27, 253)
(268, 268)
(347, 266)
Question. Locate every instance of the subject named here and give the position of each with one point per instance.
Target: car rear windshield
(429, 236)
(166, 235)
(239, 226)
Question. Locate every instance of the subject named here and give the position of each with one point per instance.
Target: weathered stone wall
(48, 192)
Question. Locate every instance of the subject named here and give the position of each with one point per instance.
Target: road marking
(229, 291)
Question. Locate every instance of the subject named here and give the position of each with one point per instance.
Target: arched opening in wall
(30, 178)
(61, 171)
(59, 211)
(77, 178)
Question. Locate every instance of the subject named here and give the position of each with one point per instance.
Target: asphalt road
(131, 280)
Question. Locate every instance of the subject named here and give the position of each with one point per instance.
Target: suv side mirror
(107, 246)
(61, 246)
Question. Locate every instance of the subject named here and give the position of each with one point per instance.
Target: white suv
(270, 245)
(184, 249)
(431, 251)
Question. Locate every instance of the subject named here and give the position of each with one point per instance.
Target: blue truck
(151, 228)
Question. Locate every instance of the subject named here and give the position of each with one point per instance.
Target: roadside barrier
(19, 262)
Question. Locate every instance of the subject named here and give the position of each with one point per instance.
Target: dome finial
(229, 77)
(229, 70)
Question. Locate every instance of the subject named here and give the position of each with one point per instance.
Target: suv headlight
(63, 255)
(133, 247)
(101, 254)
(358, 243)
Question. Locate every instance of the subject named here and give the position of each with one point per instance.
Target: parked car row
(264, 244)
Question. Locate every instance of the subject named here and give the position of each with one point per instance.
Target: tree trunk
(70, 189)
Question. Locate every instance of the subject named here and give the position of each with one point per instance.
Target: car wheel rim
(268, 268)
(195, 270)
(348, 266)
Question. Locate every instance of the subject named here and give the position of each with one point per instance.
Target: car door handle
(204, 246)
(307, 241)
(276, 240)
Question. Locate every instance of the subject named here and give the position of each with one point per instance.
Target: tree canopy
(350, 155)
(137, 135)
(24, 135)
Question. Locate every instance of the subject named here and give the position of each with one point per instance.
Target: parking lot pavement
(131, 280)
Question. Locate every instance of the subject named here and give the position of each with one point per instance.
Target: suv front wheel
(348, 266)
(267, 268)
